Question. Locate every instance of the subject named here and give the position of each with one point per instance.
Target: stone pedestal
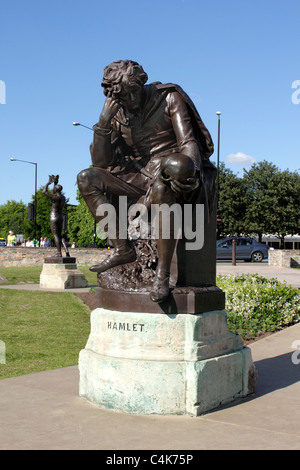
(168, 364)
(61, 273)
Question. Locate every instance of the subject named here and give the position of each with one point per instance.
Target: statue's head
(122, 76)
(57, 188)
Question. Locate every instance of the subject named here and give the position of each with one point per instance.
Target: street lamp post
(35, 188)
(82, 125)
(218, 113)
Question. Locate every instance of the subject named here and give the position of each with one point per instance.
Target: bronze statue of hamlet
(150, 145)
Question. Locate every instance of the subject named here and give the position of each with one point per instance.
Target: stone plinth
(181, 300)
(168, 364)
(284, 258)
(61, 273)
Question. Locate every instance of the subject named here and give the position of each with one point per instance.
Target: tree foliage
(11, 217)
(287, 207)
(231, 202)
(260, 184)
(81, 225)
(273, 198)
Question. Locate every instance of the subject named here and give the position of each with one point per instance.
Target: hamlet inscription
(123, 326)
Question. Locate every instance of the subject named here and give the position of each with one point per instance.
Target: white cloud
(240, 158)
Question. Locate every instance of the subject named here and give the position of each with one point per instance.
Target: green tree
(11, 217)
(260, 184)
(231, 202)
(273, 200)
(81, 225)
(287, 206)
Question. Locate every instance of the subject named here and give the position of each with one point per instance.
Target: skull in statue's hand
(178, 171)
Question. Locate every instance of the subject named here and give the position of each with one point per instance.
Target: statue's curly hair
(122, 72)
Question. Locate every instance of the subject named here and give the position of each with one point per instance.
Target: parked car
(2, 242)
(247, 249)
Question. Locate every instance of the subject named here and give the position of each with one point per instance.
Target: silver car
(246, 249)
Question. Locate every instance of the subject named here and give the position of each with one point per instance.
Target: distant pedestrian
(29, 243)
(11, 239)
(47, 242)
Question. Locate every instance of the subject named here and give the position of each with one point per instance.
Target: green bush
(256, 305)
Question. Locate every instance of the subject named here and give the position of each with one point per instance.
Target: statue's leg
(94, 184)
(162, 194)
(64, 244)
(54, 225)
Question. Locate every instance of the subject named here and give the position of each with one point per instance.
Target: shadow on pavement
(277, 372)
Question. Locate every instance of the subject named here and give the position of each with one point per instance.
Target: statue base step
(166, 364)
(181, 300)
(61, 273)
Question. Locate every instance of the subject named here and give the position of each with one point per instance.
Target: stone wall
(284, 258)
(18, 256)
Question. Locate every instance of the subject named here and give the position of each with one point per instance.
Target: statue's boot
(124, 253)
(166, 243)
(160, 289)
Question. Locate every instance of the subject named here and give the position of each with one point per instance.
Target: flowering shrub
(256, 305)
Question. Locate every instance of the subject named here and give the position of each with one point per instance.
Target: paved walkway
(290, 275)
(44, 411)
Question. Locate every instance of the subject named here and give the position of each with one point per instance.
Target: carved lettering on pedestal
(123, 326)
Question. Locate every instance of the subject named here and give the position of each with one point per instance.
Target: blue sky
(237, 56)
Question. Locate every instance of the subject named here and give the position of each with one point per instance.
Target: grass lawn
(21, 275)
(31, 275)
(41, 330)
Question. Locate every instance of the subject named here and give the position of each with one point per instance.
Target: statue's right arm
(52, 196)
(101, 148)
(45, 191)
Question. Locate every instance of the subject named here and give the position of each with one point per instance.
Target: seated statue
(151, 146)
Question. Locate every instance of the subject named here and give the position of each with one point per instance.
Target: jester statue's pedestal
(61, 273)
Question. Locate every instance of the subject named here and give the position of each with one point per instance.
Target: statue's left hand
(189, 185)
